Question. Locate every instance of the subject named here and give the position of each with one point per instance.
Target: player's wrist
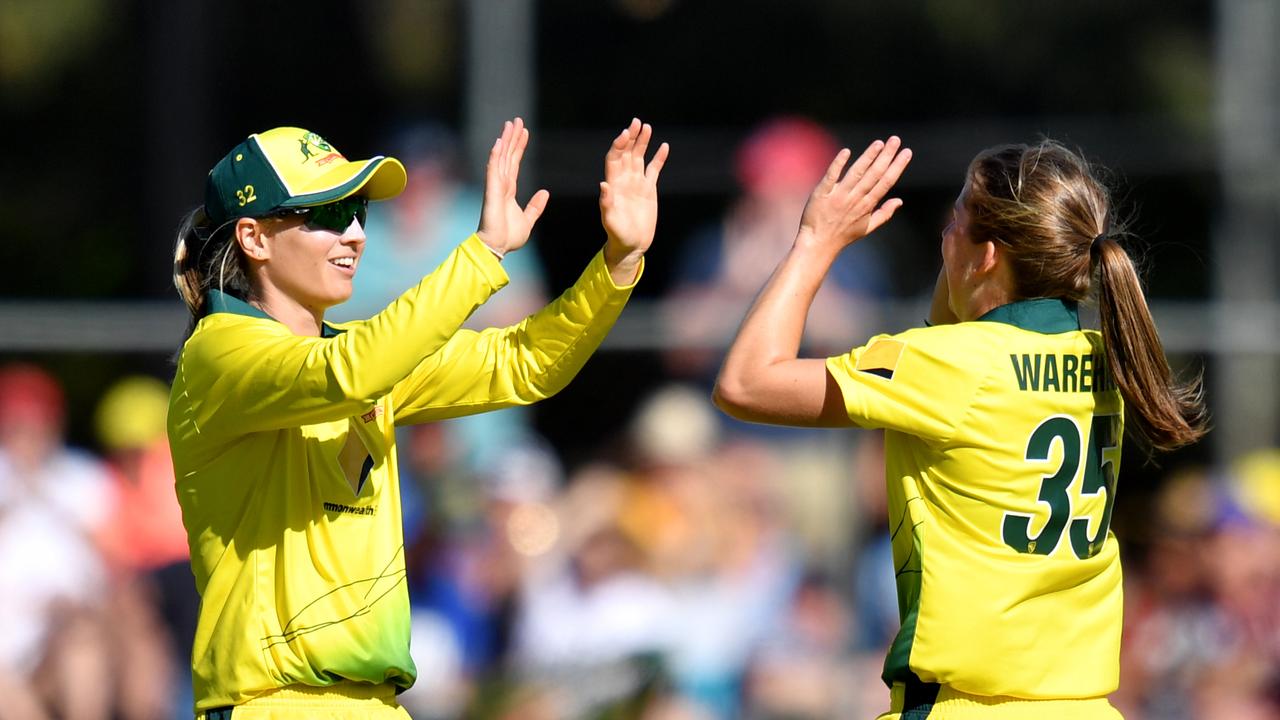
(617, 252)
(622, 262)
(487, 240)
(812, 244)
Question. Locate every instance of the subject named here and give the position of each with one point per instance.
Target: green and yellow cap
(288, 167)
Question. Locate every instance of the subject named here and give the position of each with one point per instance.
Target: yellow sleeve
(517, 365)
(920, 382)
(240, 375)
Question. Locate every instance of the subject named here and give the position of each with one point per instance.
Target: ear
(252, 239)
(991, 258)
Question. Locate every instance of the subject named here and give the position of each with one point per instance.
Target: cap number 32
(246, 195)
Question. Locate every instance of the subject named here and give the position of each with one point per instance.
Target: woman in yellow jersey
(282, 426)
(1003, 422)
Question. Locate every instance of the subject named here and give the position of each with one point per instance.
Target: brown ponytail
(1044, 205)
(206, 258)
(1165, 413)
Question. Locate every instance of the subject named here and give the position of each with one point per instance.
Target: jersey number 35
(1099, 476)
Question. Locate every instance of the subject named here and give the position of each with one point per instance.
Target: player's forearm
(555, 342)
(772, 330)
(520, 364)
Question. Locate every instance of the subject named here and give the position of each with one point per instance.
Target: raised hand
(629, 198)
(504, 225)
(841, 211)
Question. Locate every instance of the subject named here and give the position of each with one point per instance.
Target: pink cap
(29, 393)
(785, 155)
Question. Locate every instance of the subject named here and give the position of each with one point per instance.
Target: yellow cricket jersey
(284, 452)
(1002, 445)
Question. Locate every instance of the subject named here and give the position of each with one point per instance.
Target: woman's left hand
(629, 199)
(841, 211)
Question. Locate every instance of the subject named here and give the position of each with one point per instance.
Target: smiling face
(314, 268)
(300, 271)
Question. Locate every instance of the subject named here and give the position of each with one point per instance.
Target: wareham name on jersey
(1050, 372)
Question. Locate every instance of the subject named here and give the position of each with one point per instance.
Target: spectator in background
(724, 265)
(145, 542)
(146, 533)
(721, 271)
(1174, 630)
(1202, 618)
(53, 643)
(1244, 570)
(473, 543)
(708, 513)
(592, 611)
(802, 671)
(875, 595)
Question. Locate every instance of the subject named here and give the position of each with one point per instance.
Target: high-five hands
(504, 225)
(841, 211)
(629, 199)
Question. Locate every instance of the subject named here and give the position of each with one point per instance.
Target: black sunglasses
(335, 216)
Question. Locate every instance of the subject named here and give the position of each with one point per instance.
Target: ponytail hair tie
(1096, 245)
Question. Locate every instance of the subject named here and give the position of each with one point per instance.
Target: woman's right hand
(841, 211)
(504, 225)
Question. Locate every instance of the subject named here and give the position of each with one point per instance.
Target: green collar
(1043, 315)
(221, 302)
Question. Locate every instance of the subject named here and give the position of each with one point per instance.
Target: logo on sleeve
(373, 414)
(881, 358)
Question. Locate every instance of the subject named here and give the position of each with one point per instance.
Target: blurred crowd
(97, 601)
(701, 569)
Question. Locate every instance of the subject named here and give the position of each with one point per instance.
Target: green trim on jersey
(286, 467)
(918, 699)
(1042, 315)
(897, 666)
(224, 302)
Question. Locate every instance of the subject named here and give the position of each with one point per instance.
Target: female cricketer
(1003, 423)
(282, 426)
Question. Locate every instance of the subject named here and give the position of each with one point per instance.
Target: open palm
(504, 225)
(629, 193)
(847, 209)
